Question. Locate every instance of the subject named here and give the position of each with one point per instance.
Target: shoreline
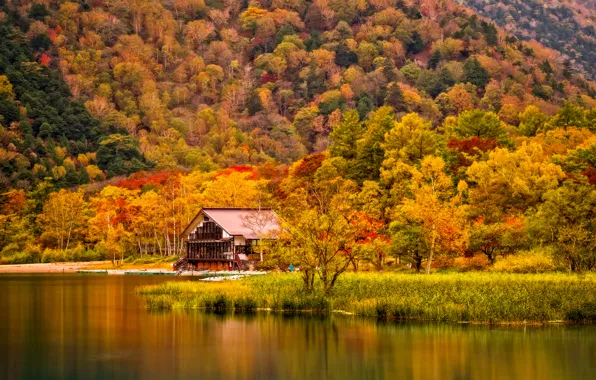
(75, 266)
(106, 268)
(69, 267)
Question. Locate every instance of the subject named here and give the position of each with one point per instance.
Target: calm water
(95, 327)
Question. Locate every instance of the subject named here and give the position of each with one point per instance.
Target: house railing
(215, 250)
(208, 231)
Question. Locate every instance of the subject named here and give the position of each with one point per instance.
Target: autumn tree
(345, 136)
(410, 140)
(510, 182)
(436, 209)
(492, 239)
(567, 219)
(480, 124)
(63, 219)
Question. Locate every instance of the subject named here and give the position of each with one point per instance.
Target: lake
(95, 327)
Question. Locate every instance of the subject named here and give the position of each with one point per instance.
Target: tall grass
(455, 297)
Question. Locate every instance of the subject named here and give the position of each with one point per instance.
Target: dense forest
(566, 26)
(412, 130)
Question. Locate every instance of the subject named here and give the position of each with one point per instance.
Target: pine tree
(365, 105)
(254, 104)
(567, 69)
(474, 73)
(395, 97)
(345, 136)
(435, 60)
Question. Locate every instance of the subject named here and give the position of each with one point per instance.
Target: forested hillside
(385, 128)
(45, 133)
(567, 26)
(218, 83)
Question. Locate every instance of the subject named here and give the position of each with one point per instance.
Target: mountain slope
(567, 26)
(217, 83)
(43, 132)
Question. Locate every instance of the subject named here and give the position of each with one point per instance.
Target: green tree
(410, 140)
(365, 106)
(345, 136)
(480, 124)
(435, 59)
(570, 115)
(474, 73)
(532, 121)
(408, 245)
(370, 147)
(395, 97)
(567, 219)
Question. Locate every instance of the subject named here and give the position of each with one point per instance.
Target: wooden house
(224, 238)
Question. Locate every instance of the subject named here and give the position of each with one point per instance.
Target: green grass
(452, 297)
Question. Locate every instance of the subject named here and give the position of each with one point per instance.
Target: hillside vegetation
(567, 26)
(217, 83)
(46, 133)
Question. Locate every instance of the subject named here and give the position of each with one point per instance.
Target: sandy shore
(49, 267)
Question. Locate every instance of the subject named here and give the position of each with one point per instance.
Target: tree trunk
(431, 253)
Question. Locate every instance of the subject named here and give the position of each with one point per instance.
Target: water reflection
(67, 326)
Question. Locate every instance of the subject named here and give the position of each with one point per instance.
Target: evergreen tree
(254, 104)
(389, 70)
(395, 97)
(475, 74)
(365, 105)
(345, 135)
(345, 57)
(567, 69)
(416, 44)
(539, 91)
(435, 60)
(490, 33)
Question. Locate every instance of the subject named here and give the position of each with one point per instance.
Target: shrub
(477, 262)
(12, 254)
(73, 254)
(526, 262)
(18, 258)
(150, 259)
(585, 313)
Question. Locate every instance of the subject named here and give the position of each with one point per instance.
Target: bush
(526, 262)
(18, 258)
(73, 254)
(585, 313)
(10, 249)
(150, 259)
(12, 254)
(477, 262)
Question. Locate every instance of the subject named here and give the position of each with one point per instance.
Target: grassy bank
(457, 297)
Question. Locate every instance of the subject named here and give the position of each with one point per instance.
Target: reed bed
(454, 297)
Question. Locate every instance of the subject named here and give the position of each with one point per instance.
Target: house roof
(247, 222)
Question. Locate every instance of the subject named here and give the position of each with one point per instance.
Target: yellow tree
(317, 233)
(437, 209)
(410, 140)
(63, 218)
(234, 190)
(511, 182)
(112, 211)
